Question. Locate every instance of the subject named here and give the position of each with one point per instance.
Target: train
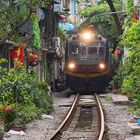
(88, 62)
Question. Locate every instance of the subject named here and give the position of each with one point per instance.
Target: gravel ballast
(116, 120)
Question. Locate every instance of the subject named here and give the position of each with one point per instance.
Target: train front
(86, 63)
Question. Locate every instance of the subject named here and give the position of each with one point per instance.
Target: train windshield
(87, 50)
(77, 49)
(96, 48)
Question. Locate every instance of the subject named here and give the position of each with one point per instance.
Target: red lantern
(135, 16)
(33, 59)
(18, 53)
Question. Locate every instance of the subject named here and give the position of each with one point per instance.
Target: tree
(14, 14)
(119, 27)
(100, 16)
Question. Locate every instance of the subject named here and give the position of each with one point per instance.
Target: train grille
(88, 69)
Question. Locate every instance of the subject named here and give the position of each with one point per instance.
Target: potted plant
(33, 59)
(8, 114)
(138, 120)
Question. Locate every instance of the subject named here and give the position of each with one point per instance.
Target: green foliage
(104, 23)
(136, 100)
(93, 10)
(1, 127)
(15, 86)
(108, 98)
(39, 91)
(36, 32)
(7, 115)
(118, 78)
(22, 97)
(135, 108)
(26, 114)
(2, 60)
(129, 13)
(131, 40)
(129, 5)
(14, 13)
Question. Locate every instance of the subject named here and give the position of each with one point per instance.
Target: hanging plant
(33, 59)
(36, 38)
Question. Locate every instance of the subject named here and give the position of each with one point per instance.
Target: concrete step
(120, 99)
(135, 137)
(135, 128)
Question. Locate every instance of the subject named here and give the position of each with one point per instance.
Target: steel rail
(102, 119)
(66, 117)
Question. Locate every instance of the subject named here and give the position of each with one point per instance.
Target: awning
(41, 14)
(62, 17)
(66, 26)
(57, 1)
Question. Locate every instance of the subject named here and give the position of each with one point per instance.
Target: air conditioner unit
(57, 8)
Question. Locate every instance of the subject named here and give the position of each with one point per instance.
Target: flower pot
(138, 121)
(17, 128)
(33, 63)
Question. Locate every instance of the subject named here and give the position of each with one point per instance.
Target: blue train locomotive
(87, 63)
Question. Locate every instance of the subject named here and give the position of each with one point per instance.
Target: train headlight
(71, 66)
(87, 36)
(102, 66)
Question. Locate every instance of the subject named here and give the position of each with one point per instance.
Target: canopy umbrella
(62, 17)
(69, 26)
(66, 26)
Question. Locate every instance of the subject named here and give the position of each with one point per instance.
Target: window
(96, 48)
(77, 49)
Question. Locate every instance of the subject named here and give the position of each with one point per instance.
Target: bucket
(138, 121)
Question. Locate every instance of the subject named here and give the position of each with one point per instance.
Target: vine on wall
(36, 32)
(131, 40)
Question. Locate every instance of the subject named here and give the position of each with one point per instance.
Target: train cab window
(101, 50)
(96, 48)
(92, 50)
(73, 49)
(76, 49)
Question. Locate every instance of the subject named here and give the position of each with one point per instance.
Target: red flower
(5, 109)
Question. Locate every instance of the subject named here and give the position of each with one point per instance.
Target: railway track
(84, 120)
